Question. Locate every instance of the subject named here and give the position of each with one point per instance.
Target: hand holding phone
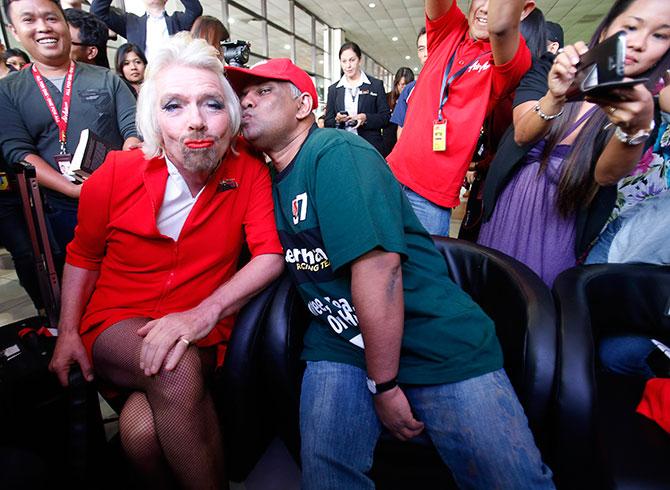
(563, 71)
(341, 119)
(601, 69)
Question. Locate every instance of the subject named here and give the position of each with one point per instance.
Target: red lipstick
(197, 144)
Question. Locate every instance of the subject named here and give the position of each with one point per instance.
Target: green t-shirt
(337, 201)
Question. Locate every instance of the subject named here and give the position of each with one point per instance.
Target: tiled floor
(14, 302)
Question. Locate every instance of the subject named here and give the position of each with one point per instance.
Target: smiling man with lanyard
(474, 62)
(46, 107)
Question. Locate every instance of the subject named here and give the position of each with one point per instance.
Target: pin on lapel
(226, 185)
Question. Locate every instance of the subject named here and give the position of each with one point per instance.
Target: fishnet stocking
(178, 421)
(140, 442)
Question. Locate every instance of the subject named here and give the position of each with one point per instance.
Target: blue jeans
(599, 253)
(477, 426)
(435, 219)
(61, 217)
(626, 354)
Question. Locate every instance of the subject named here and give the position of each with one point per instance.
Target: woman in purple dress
(552, 187)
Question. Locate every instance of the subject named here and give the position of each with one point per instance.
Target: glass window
(253, 59)
(321, 63)
(303, 24)
(321, 92)
(322, 36)
(280, 43)
(253, 5)
(278, 12)
(303, 56)
(246, 28)
(215, 9)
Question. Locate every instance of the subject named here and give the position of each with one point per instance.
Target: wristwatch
(377, 388)
(634, 139)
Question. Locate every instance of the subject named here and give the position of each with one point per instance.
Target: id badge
(440, 135)
(64, 160)
(4, 182)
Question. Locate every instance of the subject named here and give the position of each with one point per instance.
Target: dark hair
(121, 53)
(210, 29)
(534, 30)
(619, 7)
(576, 186)
(11, 52)
(7, 3)
(352, 46)
(422, 31)
(555, 33)
(92, 32)
(403, 72)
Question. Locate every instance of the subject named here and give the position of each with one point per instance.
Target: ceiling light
(231, 20)
(416, 68)
(408, 57)
(372, 5)
(394, 38)
(287, 46)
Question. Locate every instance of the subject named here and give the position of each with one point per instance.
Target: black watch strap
(378, 388)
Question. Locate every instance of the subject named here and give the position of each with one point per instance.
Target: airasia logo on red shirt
(478, 67)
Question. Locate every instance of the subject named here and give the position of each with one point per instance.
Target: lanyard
(59, 119)
(446, 82)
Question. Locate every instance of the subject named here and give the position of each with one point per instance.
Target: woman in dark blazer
(357, 103)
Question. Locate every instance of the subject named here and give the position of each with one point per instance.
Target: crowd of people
(148, 247)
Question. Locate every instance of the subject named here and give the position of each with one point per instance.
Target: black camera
(236, 53)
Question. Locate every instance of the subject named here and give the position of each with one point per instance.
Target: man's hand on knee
(166, 339)
(395, 413)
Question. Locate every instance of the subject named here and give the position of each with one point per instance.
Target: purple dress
(526, 223)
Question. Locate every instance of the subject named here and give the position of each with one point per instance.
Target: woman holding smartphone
(553, 183)
(357, 103)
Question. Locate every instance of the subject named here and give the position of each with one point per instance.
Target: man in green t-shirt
(393, 341)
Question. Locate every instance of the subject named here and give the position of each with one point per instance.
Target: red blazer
(146, 274)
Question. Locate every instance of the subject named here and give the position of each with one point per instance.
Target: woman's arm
(529, 125)
(632, 111)
(664, 99)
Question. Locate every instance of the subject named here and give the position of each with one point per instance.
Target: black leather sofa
(600, 441)
(523, 310)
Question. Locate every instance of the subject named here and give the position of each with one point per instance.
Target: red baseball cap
(274, 69)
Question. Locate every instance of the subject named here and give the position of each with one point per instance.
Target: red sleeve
(506, 78)
(451, 22)
(259, 220)
(87, 249)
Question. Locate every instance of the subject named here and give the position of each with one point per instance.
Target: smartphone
(343, 113)
(601, 69)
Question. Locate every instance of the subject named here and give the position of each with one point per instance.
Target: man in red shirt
(474, 62)
(151, 280)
